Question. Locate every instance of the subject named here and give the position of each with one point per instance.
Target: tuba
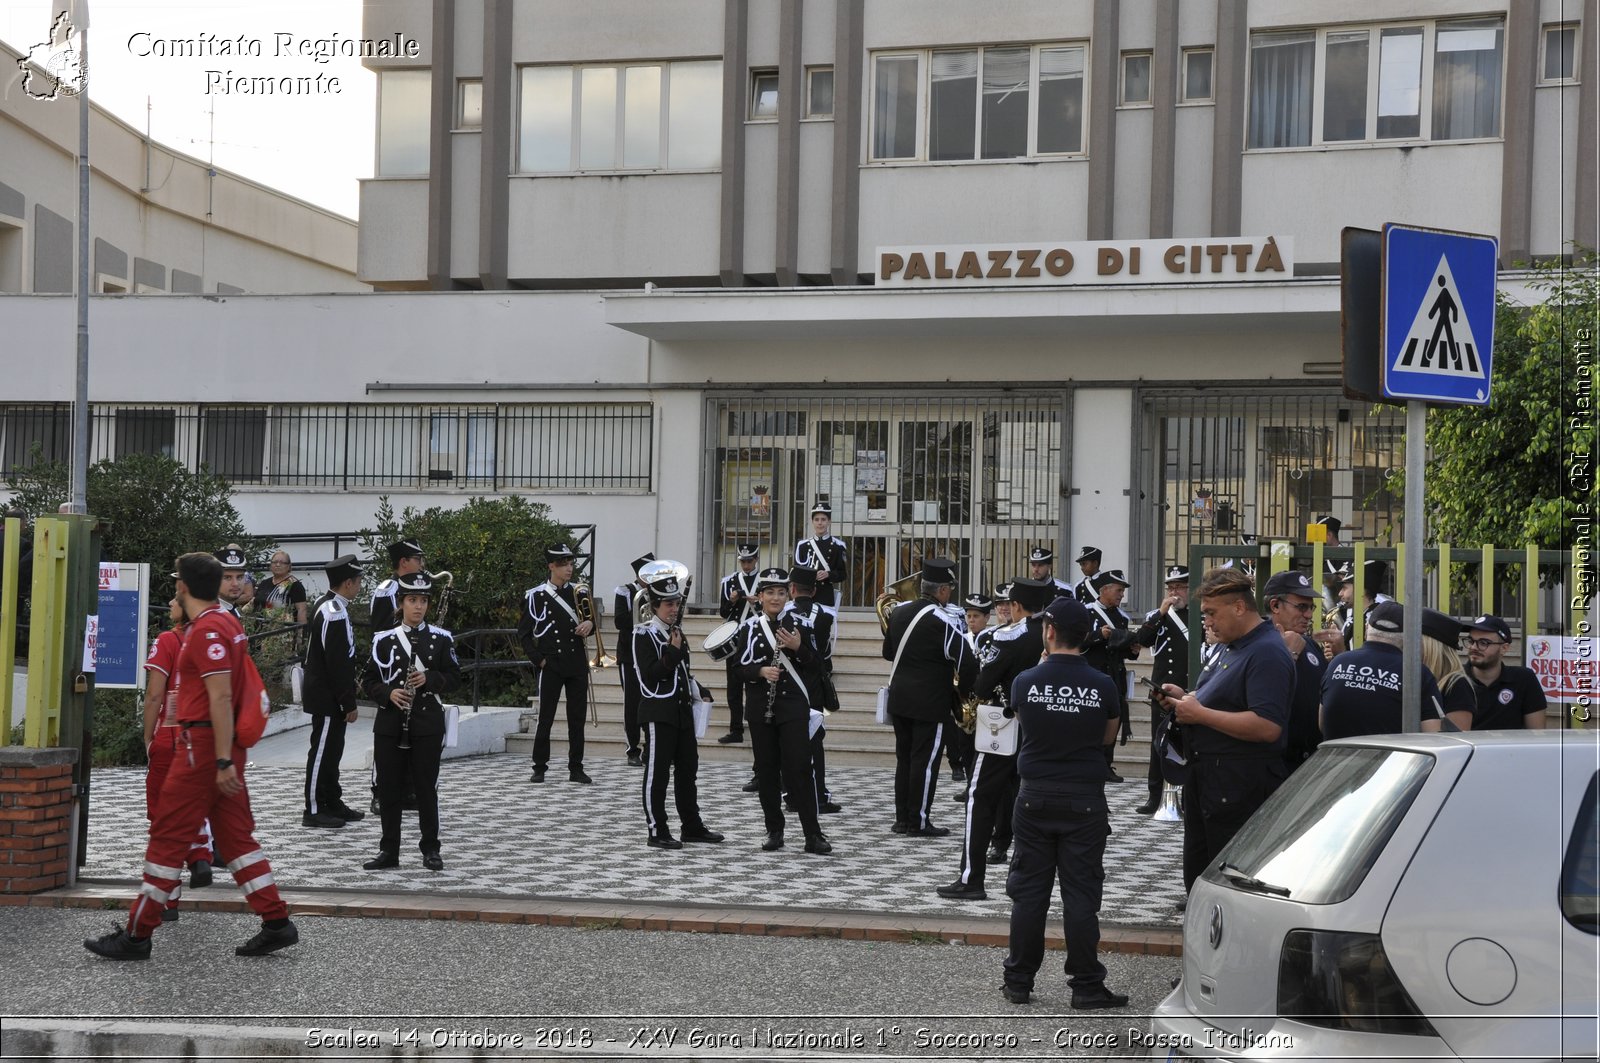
(901, 590)
(641, 598)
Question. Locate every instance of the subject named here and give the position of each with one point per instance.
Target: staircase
(854, 735)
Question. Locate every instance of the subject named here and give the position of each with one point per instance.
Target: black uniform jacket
(755, 653)
(435, 650)
(622, 617)
(666, 688)
(1014, 649)
(330, 669)
(818, 621)
(1109, 655)
(834, 556)
(549, 631)
(1168, 639)
(741, 610)
(937, 649)
(384, 613)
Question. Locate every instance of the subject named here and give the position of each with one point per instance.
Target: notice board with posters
(1566, 667)
(121, 634)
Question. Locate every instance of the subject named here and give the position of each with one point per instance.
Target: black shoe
(381, 861)
(348, 814)
(997, 856)
(730, 738)
(828, 808)
(930, 831)
(635, 760)
(1112, 776)
(898, 827)
(200, 874)
(1016, 994)
(774, 841)
(957, 775)
(819, 844)
(170, 915)
(538, 775)
(1097, 998)
(959, 797)
(577, 775)
(320, 819)
(1147, 808)
(269, 940)
(118, 945)
(701, 834)
(752, 786)
(664, 841)
(377, 809)
(433, 861)
(962, 891)
(1182, 905)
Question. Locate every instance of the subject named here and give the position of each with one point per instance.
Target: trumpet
(588, 612)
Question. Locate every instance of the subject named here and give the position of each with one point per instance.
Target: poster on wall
(749, 493)
(872, 483)
(1566, 667)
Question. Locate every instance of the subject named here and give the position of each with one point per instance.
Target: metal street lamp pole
(79, 500)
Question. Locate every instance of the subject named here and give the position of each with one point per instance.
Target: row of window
(1424, 80)
(589, 446)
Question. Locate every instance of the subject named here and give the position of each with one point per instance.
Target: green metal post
(10, 602)
(1442, 598)
(1486, 583)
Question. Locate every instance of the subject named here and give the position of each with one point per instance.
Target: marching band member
(667, 692)
(412, 664)
(622, 617)
(236, 590)
(921, 697)
(1010, 651)
(329, 694)
(1089, 564)
(1166, 631)
(827, 554)
(736, 601)
(1109, 645)
(777, 662)
(1041, 565)
(405, 557)
(811, 616)
(552, 637)
(977, 609)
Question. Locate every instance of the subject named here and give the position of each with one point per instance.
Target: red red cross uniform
(163, 658)
(215, 644)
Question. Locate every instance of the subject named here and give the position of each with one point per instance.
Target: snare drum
(719, 644)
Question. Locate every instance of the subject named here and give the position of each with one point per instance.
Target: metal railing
(511, 446)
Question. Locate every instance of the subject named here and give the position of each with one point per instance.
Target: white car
(1404, 896)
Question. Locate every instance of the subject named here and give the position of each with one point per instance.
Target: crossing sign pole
(1436, 346)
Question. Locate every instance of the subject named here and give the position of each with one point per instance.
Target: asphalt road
(461, 988)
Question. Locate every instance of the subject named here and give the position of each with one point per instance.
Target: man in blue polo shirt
(1067, 711)
(1508, 696)
(1234, 723)
(1361, 692)
(1291, 599)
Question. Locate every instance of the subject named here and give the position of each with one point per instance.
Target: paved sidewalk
(558, 842)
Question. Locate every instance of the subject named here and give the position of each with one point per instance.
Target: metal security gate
(1266, 465)
(975, 478)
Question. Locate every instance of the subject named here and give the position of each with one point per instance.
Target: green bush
(494, 549)
(118, 739)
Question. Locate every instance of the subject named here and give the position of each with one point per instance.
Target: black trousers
(1221, 794)
(958, 750)
(992, 790)
(1153, 778)
(399, 769)
(917, 745)
(670, 751)
(819, 766)
(783, 762)
(630, 704)
(323, 793)
(1059, 838)
(735, 700)
(551, 687)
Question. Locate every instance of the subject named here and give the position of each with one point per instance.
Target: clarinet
(777, 659)
(411, 696)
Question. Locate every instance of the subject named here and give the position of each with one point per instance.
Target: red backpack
(250, 703)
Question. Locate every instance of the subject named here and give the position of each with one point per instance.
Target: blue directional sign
(1438, 315)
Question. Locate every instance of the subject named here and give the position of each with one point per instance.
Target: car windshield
(1318, 836)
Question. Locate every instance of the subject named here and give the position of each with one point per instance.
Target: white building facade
(981, 276)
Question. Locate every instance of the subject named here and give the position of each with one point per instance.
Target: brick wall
(35, 811)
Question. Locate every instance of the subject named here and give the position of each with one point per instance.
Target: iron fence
(526, 446)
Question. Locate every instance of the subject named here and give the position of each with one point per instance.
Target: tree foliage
(152, 509)
(1503, 474)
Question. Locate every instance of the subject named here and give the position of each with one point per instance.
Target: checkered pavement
(502, 835)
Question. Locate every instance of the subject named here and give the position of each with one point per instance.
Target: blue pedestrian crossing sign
(1438, 315)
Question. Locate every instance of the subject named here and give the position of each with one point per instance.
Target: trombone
(587, 611)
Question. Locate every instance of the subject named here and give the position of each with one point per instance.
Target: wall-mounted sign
(1175, 261)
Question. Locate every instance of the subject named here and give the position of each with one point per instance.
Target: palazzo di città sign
(1084, 262)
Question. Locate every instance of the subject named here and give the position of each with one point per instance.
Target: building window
(763, 95)
(1560, 54)
(469, 103)
(143, 431)
(1428, 81)
(11, 256)
(233, 442)
(1197, 75)
(819, 92)
(1001, 102)
(404, 105)
(36, 434)
(646, 116)
(1136, 79)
